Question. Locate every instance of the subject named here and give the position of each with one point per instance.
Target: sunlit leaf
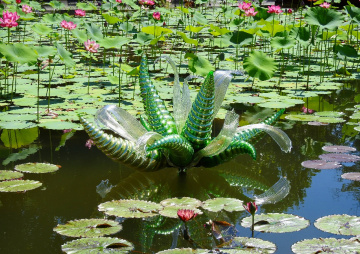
(340, 224)
(19, 185)
(97, 245)
(37, 167)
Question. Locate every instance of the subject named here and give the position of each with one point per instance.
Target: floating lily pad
(249, 245)
(97, 245)
(326, 245)
(19, 185)
(130, 208)
(9, 174)
(340, 224)
(183, 251)
(320, 164)
(338, 157)
(34, 167)
(338, 149)
(329, 113)
(184, 201)
(355, 176)
(227, 204)
(58, 125)
(88, 228)
(171, 211)
(305, 118)
(276, 223)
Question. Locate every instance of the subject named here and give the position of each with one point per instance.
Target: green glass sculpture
(181, 140)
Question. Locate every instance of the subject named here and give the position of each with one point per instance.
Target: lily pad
(9, 174)
(130, 208)
(305, 118)
(249, 245)
(329, 113)
(227, 204)
(19, 185)
(276, 223)
(339, 157)
(355, 176)
(339, 149)
(340, 224)
(324, 119)
(34, 167)
(171, 211)
(320, 164)
(326, 245)
(88, 228)
(58, 125)
(97, 245)
(184, 201)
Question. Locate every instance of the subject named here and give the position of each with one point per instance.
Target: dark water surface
(27, 219)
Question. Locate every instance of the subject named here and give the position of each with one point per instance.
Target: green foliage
(259, 65)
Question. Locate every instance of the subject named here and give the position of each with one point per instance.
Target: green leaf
(19, 53)
(186, 39)
(52, 19)
(45, 51)
(218, 31)
(9, 175)
(282, 42)
(199, 65)
(111, 19)
(65, 55)
(97, 245)
(194, 29)
(156, 30)
(87, 6)
(345, 51)
(323, 17)
(23, 154)
(41, 29)
(200, 18)
(340, 224)
(94, 31)
(241, 38)
(259, 65)
(80, 35)
(248, 245)
(19, 185)
(329, 245)
(115, 42)
(64, 137)
(184, 201)
(227, 204)
(19, 138)
(36, 167)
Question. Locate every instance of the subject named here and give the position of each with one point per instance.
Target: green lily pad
(329, 113)
(249, 245)
(171, 211)
(58, 125)
(276, 223)
(304, 118)
(227, 204)
(326, 245)
(184, 201)
(330, 120)
(88, 228)
(9, 174)
(130, 208)
(34, 167)
(97, 245)
(16, 125)
(19, 185)
(340, 224)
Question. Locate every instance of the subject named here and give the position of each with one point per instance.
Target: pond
(28, 219)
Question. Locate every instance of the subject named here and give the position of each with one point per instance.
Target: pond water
(27, 219)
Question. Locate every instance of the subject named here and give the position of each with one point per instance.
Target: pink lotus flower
(91, 46)
(89, 143)
(156, 15)
(290, 11)
(146, 2)
(250, 13)
(26, 8)
(68, 25)
(274, 9)
(186, 215)
(9, 19)
(80, 13)
(251, 207)
(244, 6)
(325, 5)
(119, 1)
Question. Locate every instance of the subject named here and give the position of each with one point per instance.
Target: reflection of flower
(26, 8)
(80, 13)
(325, 5)
(156, 15)
(250, 13)
(186, 215)
(251, 207)
(9, 19)
(274, 9)
(307, 110)
(67, 130)
(68, 25)
(244, 6)
(89, 143)
(91, 46)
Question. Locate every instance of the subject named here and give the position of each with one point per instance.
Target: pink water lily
(186, 215)
(251, 208)
(244, 6)
(119, 1)
(89, 143)
(18, 1)
(9, 19)
(146, 2)
(274, 9)
(250, 13)
(325, 5)
(80, 13)
(156, 15)
(91, 46)
(26, 8)
(68, 25)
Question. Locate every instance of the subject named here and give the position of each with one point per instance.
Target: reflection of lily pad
(88, 228)
(320, 164)
(338, 157)
(130, 208)
(249, 245)
(183, 251)
(355, 176)
(315, 123)
(341, 224)
(324, 119)
(326, 245)
(228, 204)
(338, 149)
(36, 167)
(171, 211)
(329, 113)
(184, 201)
(9, 174)
(19, 185)
(97, 245)
(276, 222)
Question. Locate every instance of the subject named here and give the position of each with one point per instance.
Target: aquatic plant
(183, 140)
